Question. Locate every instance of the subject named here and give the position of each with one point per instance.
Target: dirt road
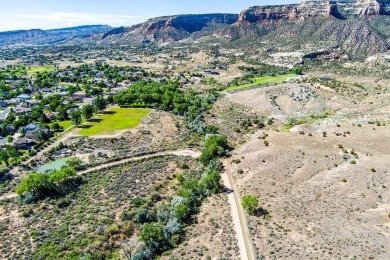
(242, 234)
(183, 152)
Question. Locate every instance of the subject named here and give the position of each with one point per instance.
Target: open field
(263, 80)
(325, 182)
(39, 69)
(115, 119)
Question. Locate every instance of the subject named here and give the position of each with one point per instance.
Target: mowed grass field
(113, 120)
(263, 80)
(34, 70)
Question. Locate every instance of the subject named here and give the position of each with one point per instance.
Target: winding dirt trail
(242, 234)
(182, 152)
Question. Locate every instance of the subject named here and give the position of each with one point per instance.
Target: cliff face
(170, 28)
(320, 9)
(301, 11)
(366, 7)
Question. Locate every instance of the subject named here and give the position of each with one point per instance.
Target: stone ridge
(320, 9)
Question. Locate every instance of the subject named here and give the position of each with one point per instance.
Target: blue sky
(47, 14)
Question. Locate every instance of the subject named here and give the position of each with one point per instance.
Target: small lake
(53, 165)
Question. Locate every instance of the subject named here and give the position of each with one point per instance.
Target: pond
(53, 165)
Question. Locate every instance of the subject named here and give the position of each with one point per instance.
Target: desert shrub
(249, 203)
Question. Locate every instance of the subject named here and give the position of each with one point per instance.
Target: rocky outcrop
(368, 7)
(321, 9)
(168, 29)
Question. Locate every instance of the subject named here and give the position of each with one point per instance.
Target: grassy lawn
(263, 80)
(65, 124)
(40, 69)
(114, 119)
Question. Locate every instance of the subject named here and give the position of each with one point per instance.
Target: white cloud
(86, 18)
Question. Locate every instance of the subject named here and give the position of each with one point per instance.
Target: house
(32, 131)
(79, 95)
(24, 143)
(51, 115)
(32, 103)
(23, 97)
(4, 114)
(12, 101)
(22, 110)
(62, 93)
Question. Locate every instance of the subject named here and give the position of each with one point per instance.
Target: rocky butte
(320, 9)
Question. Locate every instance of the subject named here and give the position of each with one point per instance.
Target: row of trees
(168, 97)
(161, 232)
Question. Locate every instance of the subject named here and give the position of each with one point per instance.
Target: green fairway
(65, 124)
(40, 69)
(114, 119)
(263, 80)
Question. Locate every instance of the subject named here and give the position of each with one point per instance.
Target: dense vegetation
(168, 97)
(37, 184)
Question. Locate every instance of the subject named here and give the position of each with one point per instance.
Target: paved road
(242, 233)
(182, 152)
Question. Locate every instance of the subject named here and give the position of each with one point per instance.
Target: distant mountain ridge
(167, 29)
(50, 37)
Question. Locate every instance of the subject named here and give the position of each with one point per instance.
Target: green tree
(61, 113)
(297, 70)
(35, 182)
(4, 157)
(215, 147)
(55, 126)
(9, 139)
(99, 104)
(87, 111)
(76, 117)
(250, 203)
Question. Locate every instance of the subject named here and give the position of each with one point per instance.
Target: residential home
(22, 110)
(32, 103)
(79, 95)
(23, 97)
(24, 143)
(4, 114)
(62, 93)
(51, 115)
(32, 131)
(12, 101)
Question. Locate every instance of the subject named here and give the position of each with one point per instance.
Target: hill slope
(56, 36)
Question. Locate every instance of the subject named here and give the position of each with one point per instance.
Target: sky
(49, 14)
